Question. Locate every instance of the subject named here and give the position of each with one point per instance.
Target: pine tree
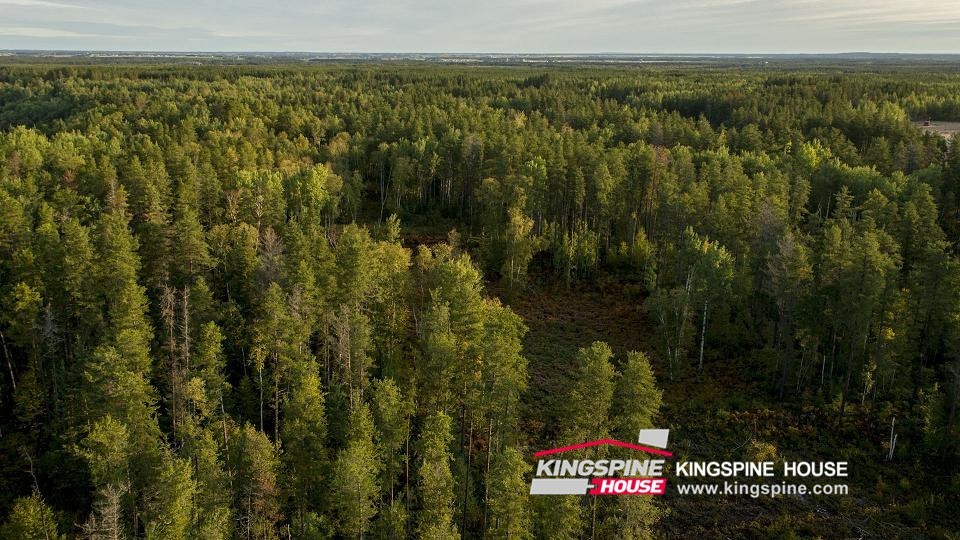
(435, 518)
(559, 517)
(637, 398)
(504, 367)
(591, 396)
(637, 402)
(710, 273)
(354, 488)
(518, 247)
(214, 519)
(207, 374)
(170, 511)
(272, 350)
(391, 413)
(30, 519)
(234, 247)
(118, 263)
(75, 270)
(120, 399)
(672, 316)
(352, 332)
(190, 255)
(254, 464)
(509, 502)
(107, 450)
(789, 273)
(858, 264)
(355, 272)
(440, 348)
(304, 434)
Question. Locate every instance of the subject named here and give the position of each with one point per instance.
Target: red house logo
(556, 476)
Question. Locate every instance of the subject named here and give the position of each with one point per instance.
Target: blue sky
(557, 26)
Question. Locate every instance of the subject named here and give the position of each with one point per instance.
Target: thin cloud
(39, 4)
(38, 32)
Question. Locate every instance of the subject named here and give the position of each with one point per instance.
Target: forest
(351, 300)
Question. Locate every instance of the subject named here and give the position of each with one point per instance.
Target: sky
(497, 26)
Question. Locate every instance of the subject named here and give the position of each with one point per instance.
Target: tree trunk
(703, 333)
(786, 334)
(486, 482)
(846, 381)
(276, 405)
(593, 517)
(185, 321)
(406, 473)
(6, 353)
(223, 422)
(167, 302)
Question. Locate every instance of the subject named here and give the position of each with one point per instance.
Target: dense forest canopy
(288, 301)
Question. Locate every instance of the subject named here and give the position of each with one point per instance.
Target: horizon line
(487, 53)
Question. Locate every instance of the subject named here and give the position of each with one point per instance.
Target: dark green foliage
(214, 322)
